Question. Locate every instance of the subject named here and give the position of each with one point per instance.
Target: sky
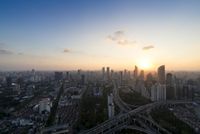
(90, 34)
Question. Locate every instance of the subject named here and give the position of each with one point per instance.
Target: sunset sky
(90, 34)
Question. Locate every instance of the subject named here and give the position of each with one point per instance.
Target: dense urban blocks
(133, 98)
(168, 120)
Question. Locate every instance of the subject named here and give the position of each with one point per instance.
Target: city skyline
(68, 35)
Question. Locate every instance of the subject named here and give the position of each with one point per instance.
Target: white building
(111, 108)
(45, 105)
(158, 92)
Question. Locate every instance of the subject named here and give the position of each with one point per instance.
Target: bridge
(133, 119)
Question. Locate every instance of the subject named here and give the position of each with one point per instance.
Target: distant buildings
(58, 76)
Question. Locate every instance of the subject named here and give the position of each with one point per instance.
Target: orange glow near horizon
(145, 64)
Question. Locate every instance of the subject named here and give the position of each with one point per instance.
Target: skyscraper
(103, 73)
(108, 73)
(161, 91)
(136, 72)
(161, 74)
(142, 75)
(121, 77)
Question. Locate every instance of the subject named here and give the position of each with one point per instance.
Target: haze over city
(99, 67)
(89, 34)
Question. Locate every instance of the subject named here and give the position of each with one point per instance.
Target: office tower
(161, 87)
(136, 72)
(67, 75)
(111, 108)
(169, 79)
(161, 74)
(103, 73)
(121, 77)
(125, 74)
(142, 75)
(170, 87)
(111, 73)
(82, 79)
(108, 73)
(79, 72)
(149, 82)
(33, 71)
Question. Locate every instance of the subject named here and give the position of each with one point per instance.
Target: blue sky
(89, 34)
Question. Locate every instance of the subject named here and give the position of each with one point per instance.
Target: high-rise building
(125, 74)
(161, 74)
(121, 77)
(136, 72)
(67, 75)
(103, 73)
(108, 73)
(158, 90)
(82, 79)
(111, 73)
(169, 79)
(142, 75)
(111, 108)
(170, 87)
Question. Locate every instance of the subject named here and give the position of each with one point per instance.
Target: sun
(145, 63)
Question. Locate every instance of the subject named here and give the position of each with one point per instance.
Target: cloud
(119, 38)
(66, 50)
(20, 53)
(148, 47)
(5, 52)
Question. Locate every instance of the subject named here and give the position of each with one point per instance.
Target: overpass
(134, 119)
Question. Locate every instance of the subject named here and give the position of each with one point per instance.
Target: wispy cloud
(119, 38)
(5, 52)
(66, 50)
(20, 53)
(148, 47)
